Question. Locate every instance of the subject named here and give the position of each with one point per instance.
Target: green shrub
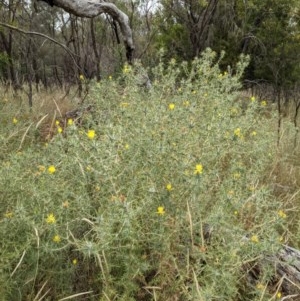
(157, 194)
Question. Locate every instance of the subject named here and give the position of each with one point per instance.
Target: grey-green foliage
(186, 147)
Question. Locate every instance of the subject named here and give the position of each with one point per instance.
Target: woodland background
(266, 30)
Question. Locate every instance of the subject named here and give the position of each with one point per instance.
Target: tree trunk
(97, 55)
(92, 8)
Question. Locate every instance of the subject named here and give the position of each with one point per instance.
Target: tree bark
(92, 8)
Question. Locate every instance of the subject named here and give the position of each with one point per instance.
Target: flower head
(198, 169)
(70, 121)
(91, 134)
(81, 77)
(169, 187)
(160, 210)
(15, 120)
(126, 68)
(263, 103)
(56, 238)
(51, 169)
(281, 214)
(254, 238)
(50, 219)
(74, 261)
(59, 129)
(278, 295)
(260, 286)
(236, 175)
(237, 132)
(171, 106)
(8, 214)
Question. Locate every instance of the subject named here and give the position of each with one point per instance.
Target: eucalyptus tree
(92, 8)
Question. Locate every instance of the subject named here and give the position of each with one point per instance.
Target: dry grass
(47, 108)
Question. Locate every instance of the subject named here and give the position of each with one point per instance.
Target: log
(286, 277)
(285, 263)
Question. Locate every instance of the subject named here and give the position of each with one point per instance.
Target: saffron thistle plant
(159, 194)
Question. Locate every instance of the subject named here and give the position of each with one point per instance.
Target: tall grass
(160, 194)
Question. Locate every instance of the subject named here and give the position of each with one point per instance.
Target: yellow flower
(252, 98)
(126, 68)
(51, 169)
(91, 134)
(15, 120)
(230, 193)
(110, 77)
(253, 133)
(161, 210)
(8, 214)
(74, 261)
(56, 238)
(171, 106)
(260, 286)
(236, 212)
(70, 121)
(251, 187)
(126, 146)
(81, 77)
(282, 214)
(254, 238)
(278, 295)
(198, 169)
(236, 175)
(263, 103)
(169, 187)
(59, 130)
(237, 132)
(50, 219)
(186, 103)
(57, 122)
(234, 111)
(172, 61)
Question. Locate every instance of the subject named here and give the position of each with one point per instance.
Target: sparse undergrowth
(118, 206)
